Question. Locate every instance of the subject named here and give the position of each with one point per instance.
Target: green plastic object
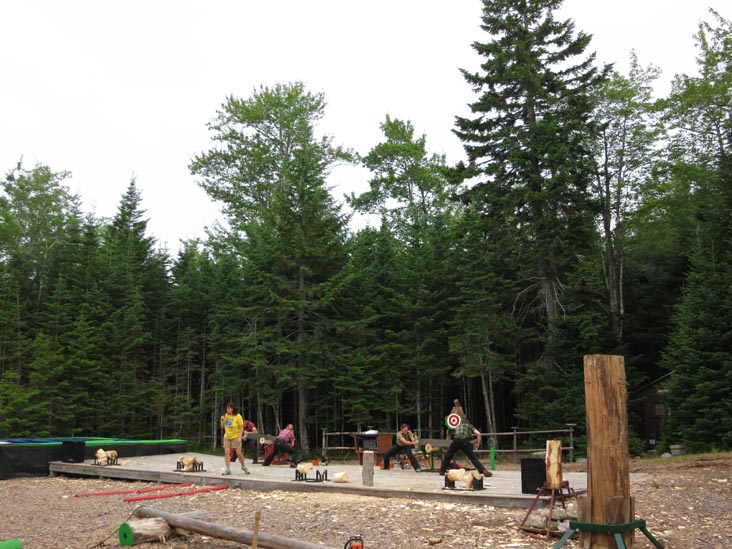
(11, 544)
(493, 458)
(125, 535)
(615, 529)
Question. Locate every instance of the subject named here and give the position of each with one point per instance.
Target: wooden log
(608, 458)
(367, 471)
(456, 475)
(554, 464)
(144, 530)
(470, 478)
(305, 468)
(267, 541)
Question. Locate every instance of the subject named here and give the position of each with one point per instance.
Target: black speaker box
(533, 475)
(72, 451)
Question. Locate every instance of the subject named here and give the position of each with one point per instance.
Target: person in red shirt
(248, 438)
(285, 442)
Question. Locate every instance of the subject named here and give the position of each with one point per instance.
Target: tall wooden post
(608, 498)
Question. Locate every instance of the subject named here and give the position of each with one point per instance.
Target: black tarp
(30, 457)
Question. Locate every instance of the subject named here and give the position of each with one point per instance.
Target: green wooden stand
(615, 529)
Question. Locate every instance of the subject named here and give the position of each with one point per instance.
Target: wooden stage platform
(503, 489)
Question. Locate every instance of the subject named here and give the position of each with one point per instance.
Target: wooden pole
(267, 541)
(608, 498)
(255, 534)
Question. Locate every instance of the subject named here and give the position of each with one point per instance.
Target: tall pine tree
(530, 141)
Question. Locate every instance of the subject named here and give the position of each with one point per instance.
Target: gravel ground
(686, 502)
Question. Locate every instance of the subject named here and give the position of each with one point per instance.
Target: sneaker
(487, 474)
(293, 465)
(226, 472)
(254, 462)
(418, 470)
(442, 473)
(243, 468)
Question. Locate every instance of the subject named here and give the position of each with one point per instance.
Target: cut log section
(461, 475)
(305, 468)
(341, 477)
(435, 445)
(456, 475)
(553, 464)
(470, 478)
(144, 530)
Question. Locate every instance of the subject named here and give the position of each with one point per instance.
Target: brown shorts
(230, 443)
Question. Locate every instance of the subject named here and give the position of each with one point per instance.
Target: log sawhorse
(615, 529)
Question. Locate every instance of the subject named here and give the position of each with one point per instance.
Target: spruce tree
(270, 173)
(529, 139)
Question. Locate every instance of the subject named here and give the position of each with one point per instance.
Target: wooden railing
(344, 443)
(508, 442)
(515, 446)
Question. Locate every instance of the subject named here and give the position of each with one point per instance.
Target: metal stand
(319, 477)
(553, 493)
(615, 529)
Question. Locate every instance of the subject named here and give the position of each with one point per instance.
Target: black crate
(369, 443)
(533, 475)
(72, 451)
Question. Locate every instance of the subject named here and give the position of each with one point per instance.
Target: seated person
(405, 441)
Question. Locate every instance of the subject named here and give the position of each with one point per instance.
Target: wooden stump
(367, 471)
(608, 461)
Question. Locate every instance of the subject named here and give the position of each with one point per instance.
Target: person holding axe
(465, 439)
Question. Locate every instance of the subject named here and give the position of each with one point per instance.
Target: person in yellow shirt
(233, 425)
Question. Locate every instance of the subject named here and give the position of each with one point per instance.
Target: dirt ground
(685, 500)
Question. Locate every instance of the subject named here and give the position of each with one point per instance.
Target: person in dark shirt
(465, 437)
(405, 441)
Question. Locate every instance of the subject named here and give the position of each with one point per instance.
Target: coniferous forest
(590, 217)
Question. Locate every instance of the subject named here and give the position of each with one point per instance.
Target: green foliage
(530, 141)
(698, 355)
(572, 229)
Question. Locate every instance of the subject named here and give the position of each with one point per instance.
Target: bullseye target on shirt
(453, 420)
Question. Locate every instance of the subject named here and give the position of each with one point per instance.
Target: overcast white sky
(112, 90)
